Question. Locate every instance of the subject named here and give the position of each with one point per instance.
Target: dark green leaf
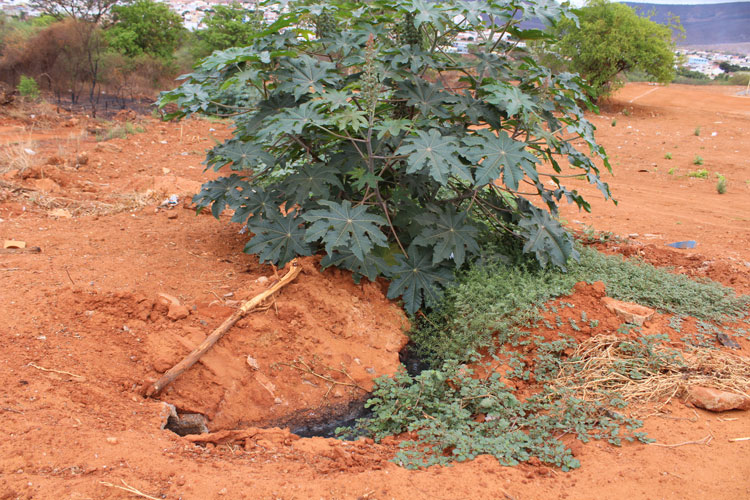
(449, 235)
(371, 267)
(303, 73)
(544, 236)
(343, 226)
(436, 153)
(417, 279)
(277, 239)
(499, 153)
(311, 180)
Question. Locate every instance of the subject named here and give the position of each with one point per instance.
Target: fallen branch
(705, 440)
(128, 488)
(193, 357)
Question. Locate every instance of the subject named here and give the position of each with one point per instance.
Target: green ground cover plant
(457, 415)
(361, 136)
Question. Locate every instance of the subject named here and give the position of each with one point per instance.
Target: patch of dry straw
(604, 365)
(119, 202)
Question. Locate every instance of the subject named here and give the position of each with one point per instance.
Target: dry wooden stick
(705, 440)
(128, 488)
(203, 348)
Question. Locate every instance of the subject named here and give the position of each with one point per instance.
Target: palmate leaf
(277, 239)
(417, 279)
(371, 267)
(292, 121)
(544, 236)
(342, 226)
(509, 98)
(437, 153)
(315, 180)
(303, 73)
(499, 153)
(448, 235)
(220, 192)
(255, 202)
(428, 98)
(242, 155)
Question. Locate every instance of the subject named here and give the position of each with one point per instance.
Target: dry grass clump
(642, 370)
(19, 156)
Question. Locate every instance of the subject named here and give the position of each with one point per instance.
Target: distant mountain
(704, 24)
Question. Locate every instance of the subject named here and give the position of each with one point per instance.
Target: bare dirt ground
(83, 328)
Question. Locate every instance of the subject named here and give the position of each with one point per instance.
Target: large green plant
(360, 133)
(611, 38)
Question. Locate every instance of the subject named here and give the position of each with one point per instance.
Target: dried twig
(705, 440)
(734, 440)
(33, 365)
(307, 369)
(128, 488)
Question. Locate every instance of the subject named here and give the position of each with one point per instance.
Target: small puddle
(318, 422)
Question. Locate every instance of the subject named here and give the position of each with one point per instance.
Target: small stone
(629, 312)
(112, 440)
(261, 280)
(177, 312)
(172, 215)
(252, 362)
(633, 235)
(165, 299)
(82, 159)
(278, 401)
(717, 400)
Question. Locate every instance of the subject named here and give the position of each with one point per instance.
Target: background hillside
(724, 23)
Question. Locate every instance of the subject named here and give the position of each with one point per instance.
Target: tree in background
(227, 26)
(609, 39)
(144, 27)
(84, 10)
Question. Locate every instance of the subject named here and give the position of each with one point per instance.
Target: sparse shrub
(698, 160)
(672, 171)
(626, 112)
(721, 185)
(697, 131)
(698, 174)
(28, 88)
(614, 122)
(668, 156)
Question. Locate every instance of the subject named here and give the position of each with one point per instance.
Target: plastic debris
(683, 244)
(170, 202)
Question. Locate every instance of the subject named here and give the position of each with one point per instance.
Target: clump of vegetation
(668, 156)
(119, 131)
(672, 171)
(609, 39)
(614, 122)
(698, 160)
(28, 88)
(697, 131)
(721, 185)
(457, 413)
(392, 170)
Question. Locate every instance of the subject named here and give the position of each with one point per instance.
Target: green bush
(28, 88)
(358, 134)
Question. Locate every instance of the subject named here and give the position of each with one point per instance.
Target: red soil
(83, 332)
